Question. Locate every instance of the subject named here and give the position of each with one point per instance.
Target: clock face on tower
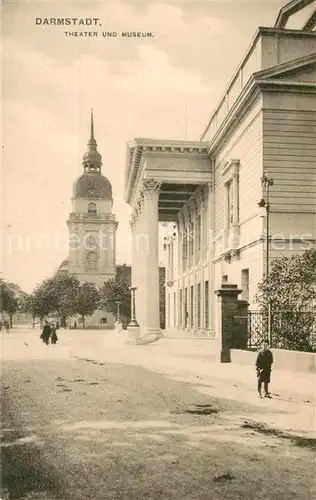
(91, 242)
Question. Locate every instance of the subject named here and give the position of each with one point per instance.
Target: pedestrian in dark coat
(46, 333)
(53, 334)
(263, 366)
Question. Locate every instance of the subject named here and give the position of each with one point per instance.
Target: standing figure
(46, 333)
(7, 326)
(53, 333)
(263, 366)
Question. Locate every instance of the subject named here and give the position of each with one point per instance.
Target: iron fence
(291, 329)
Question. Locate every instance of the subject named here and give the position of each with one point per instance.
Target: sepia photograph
(158, 250)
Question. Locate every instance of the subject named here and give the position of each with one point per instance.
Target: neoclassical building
(209, 190)
(92, 225)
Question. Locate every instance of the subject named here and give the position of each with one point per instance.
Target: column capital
(150, 186)
(137, 208)
(191, 207)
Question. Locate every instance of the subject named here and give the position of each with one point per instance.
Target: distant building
(210, 189)
(92, 230)
(92, 225)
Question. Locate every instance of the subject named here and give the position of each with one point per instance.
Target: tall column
(134, 253)
(141, 244)
(151, 323)
(179, 274)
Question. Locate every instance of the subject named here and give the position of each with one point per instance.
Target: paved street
(75, 426)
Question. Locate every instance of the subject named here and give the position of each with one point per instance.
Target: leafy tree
(12, 307)
(291, 290)
(62, 292)
(114, 290)
(41, 302)
(30, 305)
(55, 295)
(10, 297)
(87, 300)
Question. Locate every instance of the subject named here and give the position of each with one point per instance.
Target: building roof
(92, 185)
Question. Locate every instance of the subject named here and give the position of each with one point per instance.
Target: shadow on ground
(84, 430)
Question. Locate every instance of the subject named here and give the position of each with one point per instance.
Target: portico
(161, 178)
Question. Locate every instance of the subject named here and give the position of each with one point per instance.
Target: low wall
(283, 360)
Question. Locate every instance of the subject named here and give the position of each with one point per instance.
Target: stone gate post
(228, 306)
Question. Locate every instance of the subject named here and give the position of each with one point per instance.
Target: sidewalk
(192, 361)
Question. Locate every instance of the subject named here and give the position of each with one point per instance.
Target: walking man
(263, 366)
(46, 333)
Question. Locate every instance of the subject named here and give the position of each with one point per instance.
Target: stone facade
(209, 190)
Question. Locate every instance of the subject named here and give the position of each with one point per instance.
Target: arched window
(92, 208)
(92, 260)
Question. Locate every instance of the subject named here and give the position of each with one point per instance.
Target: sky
(137, 88)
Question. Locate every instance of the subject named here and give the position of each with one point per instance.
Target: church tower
(91, 224)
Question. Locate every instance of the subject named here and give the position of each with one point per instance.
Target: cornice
(231, 167)
(139, 148)
(278, 69)
(286, 86)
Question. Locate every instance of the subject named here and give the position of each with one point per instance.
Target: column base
(149, 339)
(147, 330)
(133, 334)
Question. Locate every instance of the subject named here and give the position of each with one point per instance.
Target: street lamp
(118, 303)
(133, 321)
(264, 205)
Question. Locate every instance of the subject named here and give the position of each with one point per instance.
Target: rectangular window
(230, 203)
(206, 305)
(192, 306)
(245, 284)
(198, 305)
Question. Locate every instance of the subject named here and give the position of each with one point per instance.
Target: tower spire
(92, 159)
(92, 126)
(92, 142)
